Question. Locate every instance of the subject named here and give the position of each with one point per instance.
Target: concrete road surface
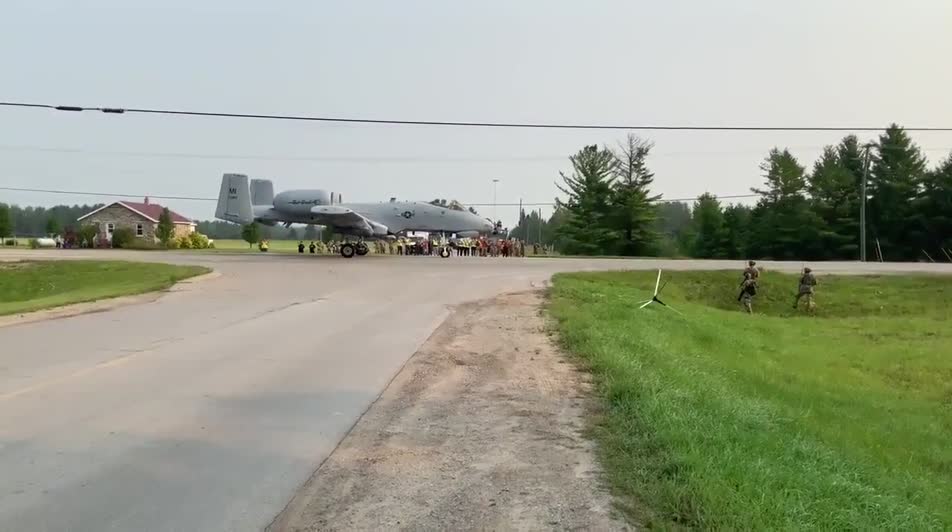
(208, 408)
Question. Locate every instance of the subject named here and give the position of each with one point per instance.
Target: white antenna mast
(658, 287)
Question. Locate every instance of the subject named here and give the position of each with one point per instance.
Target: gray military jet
(244, 201)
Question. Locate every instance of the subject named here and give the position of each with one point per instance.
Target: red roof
(154, 210)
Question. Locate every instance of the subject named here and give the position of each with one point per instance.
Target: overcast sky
(730, 62)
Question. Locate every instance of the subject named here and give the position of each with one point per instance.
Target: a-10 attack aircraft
(244, 201)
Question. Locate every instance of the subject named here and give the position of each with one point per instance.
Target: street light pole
(495, 216)
(862, 207)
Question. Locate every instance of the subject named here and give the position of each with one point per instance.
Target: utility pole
(523, 222)
(862, 207)
(495, 216)
(540, 226)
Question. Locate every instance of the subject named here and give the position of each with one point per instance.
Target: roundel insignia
(407, 214)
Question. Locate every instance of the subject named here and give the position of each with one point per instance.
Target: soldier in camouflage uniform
(748, 287)
(807, 282)
(752, 270)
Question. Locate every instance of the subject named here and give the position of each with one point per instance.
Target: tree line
(800, 214)
(40, 221)
(609, 208)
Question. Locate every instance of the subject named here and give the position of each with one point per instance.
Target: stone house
(141, 218)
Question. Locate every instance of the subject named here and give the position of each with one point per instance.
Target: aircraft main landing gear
(348, 250)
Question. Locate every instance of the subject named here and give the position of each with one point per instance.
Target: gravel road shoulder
(481, 429)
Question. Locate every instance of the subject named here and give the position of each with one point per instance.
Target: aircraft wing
(344, 218)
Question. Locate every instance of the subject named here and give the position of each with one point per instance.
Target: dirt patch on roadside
(481, 430)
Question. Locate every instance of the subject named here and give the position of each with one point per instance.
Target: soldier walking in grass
(752, 270)
(807, 282)
(748, 288)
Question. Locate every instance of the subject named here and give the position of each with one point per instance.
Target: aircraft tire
(361, 249)
(347, 251)
(445, 252)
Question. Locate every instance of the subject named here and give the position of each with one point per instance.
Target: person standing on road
(807, 282)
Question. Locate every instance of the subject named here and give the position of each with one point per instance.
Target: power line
(365, 158)
(103, 194)
(198, 198)
(307, 118)
(333, 159)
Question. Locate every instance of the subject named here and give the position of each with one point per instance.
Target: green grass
(274, 246)
(29, 286)
(718, 419)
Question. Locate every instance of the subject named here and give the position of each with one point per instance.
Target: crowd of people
(461, 247)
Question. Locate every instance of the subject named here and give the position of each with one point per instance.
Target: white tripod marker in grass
(658, 287)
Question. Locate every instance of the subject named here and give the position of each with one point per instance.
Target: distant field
(29, 286)
(21, 243)
(720, 420)
(240, 245)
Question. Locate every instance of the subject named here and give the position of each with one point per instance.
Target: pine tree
(835, 198)
(676, 228)
(936, 207)
(633, 211)
(529, 227)
(736, 231)
(552, 227)
(783, 175)
(6, 227)
(310, 233)
(587, 229)
(895, 181)
(709, 233)
(851, 156)
(783, 225)
(523, 226)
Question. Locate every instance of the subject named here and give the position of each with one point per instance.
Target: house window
(140, 230)
(110, 227)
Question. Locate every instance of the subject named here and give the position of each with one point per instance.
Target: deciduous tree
(251, 233)
(165, 230)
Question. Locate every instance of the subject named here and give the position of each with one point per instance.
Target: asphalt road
(207, 409)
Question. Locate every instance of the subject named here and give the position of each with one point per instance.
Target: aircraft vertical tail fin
(234, 199)
(262, 192)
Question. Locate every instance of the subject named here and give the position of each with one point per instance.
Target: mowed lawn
(29, 286)
(718, 419)
(281, 246)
